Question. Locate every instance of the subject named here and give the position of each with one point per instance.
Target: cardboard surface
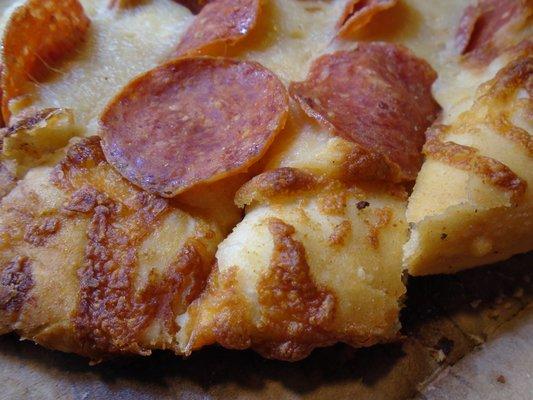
(446, 317)
(500, 369)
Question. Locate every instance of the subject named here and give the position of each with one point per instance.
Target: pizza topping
(195, 6)
(38, 35)
(358, 13)
(191, 121)
(113, 312)
(297, 311)
(481, 23)
(220, 22)
(377, 96)
(16, 280)
(275, 184)
(38, 233)
(469, 159)
(496, 100)
(8, 178)
(35, 137)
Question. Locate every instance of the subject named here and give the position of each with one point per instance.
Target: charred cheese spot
(8, 179)
(38, 233)
(377, 220)
(294, 307)
(16, 281)
(333, 202)
(340, 233)
(274, 184)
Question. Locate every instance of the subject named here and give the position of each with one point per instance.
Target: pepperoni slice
(191, 121)
(481, 22)
(220, 22)
(39, 33)
(195, 6)
(379, 97)
(358, 13)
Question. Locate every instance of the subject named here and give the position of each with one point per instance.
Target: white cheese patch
(120, 45)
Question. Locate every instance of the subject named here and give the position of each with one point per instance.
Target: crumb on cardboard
(475, 304)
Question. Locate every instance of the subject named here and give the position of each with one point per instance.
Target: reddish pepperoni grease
(358, 13)
(193, 120)
(219, 22)
(481, 23)
(377, 96)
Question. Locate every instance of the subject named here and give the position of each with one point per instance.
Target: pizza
(254, 173)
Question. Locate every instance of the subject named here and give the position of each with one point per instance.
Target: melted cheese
(120, 45)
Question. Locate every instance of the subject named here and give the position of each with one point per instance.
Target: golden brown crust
(333, 200)
(275, 184)
(231, 326)
(468, 159)
(123, 295)
(111, 315)
(518, 135)
(363, 165)
(295, 312)
(79, 159)
(290, 313)
(498, 95)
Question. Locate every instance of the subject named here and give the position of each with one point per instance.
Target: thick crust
(480, 168)
(91, 264)
(304, 269)
(121, 263)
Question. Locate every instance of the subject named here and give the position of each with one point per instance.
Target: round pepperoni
(38, 34)
(482, 21)
(191, 121)
(377, 96)
(358, 13)
(219, 22)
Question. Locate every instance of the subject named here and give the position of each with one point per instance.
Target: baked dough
(94, 265)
